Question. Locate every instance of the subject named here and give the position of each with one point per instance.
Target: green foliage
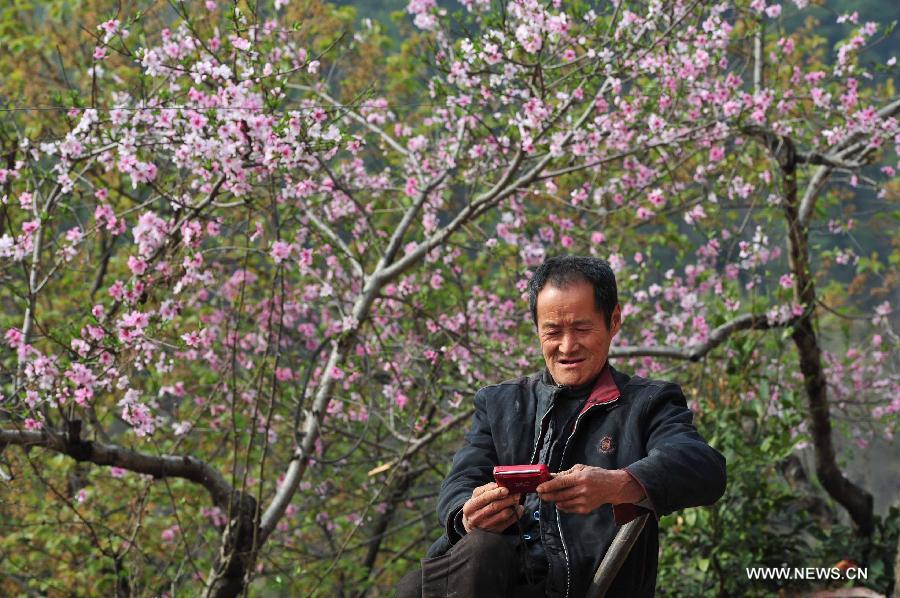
(771, 514)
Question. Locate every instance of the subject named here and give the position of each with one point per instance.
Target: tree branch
(408, 218)
(758, 60)
(502, 189)
(395, 145)
(718, 336)
(334, 238)
(424, 440)
(164, 466)
(849, 149)
(829, 160)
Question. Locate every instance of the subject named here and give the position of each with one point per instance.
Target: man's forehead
(571, 304)
(552, 296)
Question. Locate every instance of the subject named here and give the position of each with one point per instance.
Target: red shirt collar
(604, 391)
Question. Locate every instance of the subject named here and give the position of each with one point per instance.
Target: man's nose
(568, 344)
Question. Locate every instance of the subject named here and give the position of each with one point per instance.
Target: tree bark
(237, 553)
(856, 500)
(397, 495)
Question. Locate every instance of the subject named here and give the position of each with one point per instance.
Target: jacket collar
(605, 390)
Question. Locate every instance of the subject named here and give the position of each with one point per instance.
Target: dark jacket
(640, 425)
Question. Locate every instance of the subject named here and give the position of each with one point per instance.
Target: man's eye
(583, 329)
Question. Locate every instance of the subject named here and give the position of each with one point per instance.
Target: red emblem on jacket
(606, 445)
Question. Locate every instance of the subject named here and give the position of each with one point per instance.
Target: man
(619, 444)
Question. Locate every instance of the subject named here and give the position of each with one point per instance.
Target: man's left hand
(581, 488)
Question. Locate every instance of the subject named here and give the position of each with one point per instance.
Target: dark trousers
(482, 564)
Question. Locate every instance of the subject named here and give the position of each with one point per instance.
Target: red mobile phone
(521, 479)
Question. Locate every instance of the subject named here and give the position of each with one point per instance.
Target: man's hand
(491, 508)
(581, 489)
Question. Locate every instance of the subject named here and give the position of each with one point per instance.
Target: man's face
(574, 337)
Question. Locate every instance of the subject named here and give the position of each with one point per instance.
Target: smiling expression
(574, 337)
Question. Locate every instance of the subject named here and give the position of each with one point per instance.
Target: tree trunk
(856, 500)
(237, 553)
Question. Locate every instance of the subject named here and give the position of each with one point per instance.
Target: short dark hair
(563, 270)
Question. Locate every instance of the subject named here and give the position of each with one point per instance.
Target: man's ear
(615, 322)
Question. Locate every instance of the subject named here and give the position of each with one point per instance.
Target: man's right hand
(491, 508)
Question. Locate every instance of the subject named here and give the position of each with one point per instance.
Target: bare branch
(408, 218)
(852, 149)
(334, 238)
(827, 160)
(758, 59)
(37, 247)
(164, 466)
(716, 338)
(424, 440)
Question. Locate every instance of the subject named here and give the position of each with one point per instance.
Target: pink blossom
(168, 534)
(110, 28)
(616, 262)
(150, 233)
(773, 11)
(786, 281)
(657, 198)
(280, 251)
(644, 214)
(137, 414)
(136, 265)
(217, 516)
(82, 396)
(305, 259)
(731, 271)
(412, 186)
(695, 214)
(135, 319)
(14, 338)
(529, 36)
